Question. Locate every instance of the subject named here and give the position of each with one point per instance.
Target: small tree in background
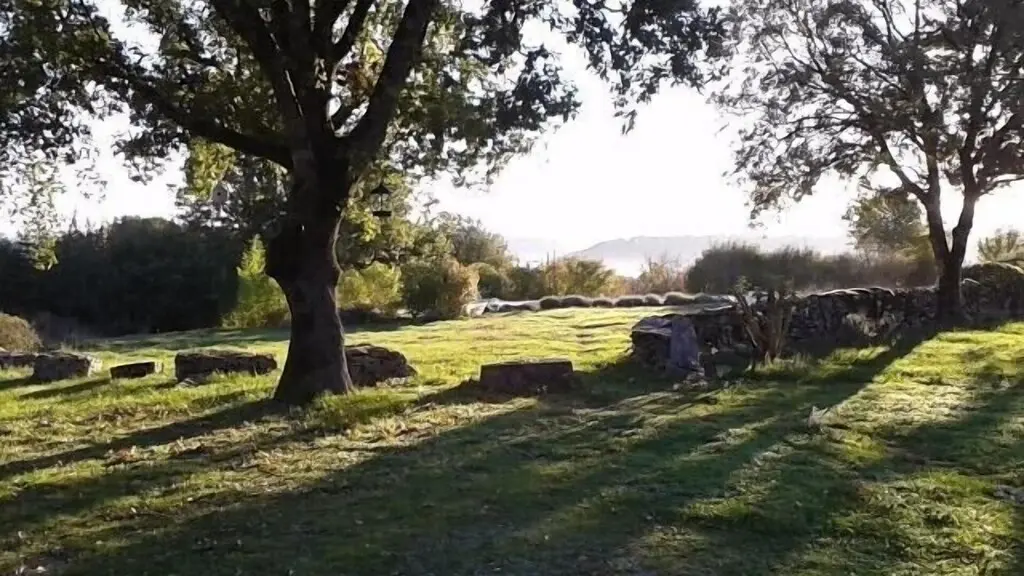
(1004, 247)
(260, 302)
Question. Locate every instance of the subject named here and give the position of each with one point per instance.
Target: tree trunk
(950, 305)
(949, 256)
(301, 259)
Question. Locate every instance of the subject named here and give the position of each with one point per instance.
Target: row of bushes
(716, 272)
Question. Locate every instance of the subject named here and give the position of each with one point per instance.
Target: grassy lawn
(629, 478)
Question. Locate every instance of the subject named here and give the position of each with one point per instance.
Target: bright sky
(587, 182)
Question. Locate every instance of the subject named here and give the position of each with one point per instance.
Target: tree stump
(528, 378)
(199, 365)
(135, 370)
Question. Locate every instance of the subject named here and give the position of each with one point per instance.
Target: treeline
(154, 275)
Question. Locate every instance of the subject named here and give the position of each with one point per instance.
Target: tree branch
(206, 127)
(245, 21)
(355, 23)
(406, 47)
(327, 14)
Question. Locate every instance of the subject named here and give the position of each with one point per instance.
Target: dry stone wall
(844, 318)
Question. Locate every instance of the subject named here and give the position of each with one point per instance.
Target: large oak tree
(927, 90)
(324, 88)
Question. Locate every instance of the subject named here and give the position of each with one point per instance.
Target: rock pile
(371, 365)
(201, 364)
(63, 366)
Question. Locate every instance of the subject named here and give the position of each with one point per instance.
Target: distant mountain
(627, 256)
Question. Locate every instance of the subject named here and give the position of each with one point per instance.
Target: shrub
(603, 302)
(660, 276)
(260, 302)
(577, 301)
(653, 300)
(551, 303)
(377, 287)
(629, 301)
(679, 299)
(16, 334)
(526, 283)
(493, 282)
(441, 289)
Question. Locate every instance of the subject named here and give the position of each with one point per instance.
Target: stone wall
(846, 318)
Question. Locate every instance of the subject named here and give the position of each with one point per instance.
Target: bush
(493, 283)
(603, 302)
(551, 303)
(377, 287)
(720, 268)
(441, 289)
(577, 301)
(16, 334)
(260, 303)
(629, 301)
(526, 284)
(660, 276)
(679, 299)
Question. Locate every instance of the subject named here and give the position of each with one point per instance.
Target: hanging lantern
(380, 201)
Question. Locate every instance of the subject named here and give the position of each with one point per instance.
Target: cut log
(528, 378)
(135, 370)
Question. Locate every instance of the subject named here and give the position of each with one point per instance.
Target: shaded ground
(629, 478)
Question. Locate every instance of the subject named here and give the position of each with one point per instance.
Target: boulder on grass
(371, 365)
(63, 366)
(9, 360)
(200, 365)
(528, 378)
(135, 370)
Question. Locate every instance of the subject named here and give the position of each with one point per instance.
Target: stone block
(135, 370)
(371, 365)
(63, 366)
(9, 360)
(529, 377)
(200, 365)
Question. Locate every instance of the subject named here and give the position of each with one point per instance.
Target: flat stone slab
(199, 365)
(528, 377)
(63, 366)
(10, 360)
(370, 365)
(135, 370)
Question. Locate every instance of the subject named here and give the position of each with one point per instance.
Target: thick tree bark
(301, 259)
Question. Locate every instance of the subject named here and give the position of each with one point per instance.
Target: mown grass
(630, 478)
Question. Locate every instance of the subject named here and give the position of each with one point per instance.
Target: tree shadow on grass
(56, 391)
(563, 487)
(208, 423)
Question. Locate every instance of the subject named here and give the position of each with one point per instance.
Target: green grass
(628, 478)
